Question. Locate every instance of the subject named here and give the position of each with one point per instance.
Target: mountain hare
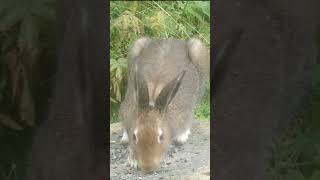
(166, 80)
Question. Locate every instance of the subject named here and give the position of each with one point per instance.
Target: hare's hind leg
(183, 137)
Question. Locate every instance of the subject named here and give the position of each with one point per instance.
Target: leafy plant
(20, 26)
(202, 112)
(118, 73)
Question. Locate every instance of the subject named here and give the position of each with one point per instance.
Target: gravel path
(189, 161)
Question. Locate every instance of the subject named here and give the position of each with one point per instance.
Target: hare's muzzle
(150, 166)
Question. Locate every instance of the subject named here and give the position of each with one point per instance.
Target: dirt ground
(190, 161)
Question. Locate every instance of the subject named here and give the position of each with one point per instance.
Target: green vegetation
(159, 19)
(24, 29)
(26, 41)
(202, 112)
(297, 155)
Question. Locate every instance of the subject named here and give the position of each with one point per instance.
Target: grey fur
(159, 62)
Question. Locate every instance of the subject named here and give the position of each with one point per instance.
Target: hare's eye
(134, 137)
(161, 137)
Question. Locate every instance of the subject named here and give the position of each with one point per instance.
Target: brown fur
(148, 150)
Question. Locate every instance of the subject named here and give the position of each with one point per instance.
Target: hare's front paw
(124, 139)
(183, 137)
(132, 161)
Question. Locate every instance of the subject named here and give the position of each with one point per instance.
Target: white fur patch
(182, 138)
(136, 134)
(124, 139)
(159, 135)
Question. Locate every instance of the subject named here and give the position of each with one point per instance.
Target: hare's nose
(149, 168)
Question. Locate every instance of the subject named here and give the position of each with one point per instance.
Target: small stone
(175, 150)
(139, 177)
(185, 160)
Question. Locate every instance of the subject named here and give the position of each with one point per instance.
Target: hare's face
(151, 139)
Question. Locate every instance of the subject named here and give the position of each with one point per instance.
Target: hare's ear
(141, 89)
(168, 92)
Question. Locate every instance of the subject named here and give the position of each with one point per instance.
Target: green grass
(114, 112)
(202, 111)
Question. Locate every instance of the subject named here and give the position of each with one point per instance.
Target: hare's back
(163, 60)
